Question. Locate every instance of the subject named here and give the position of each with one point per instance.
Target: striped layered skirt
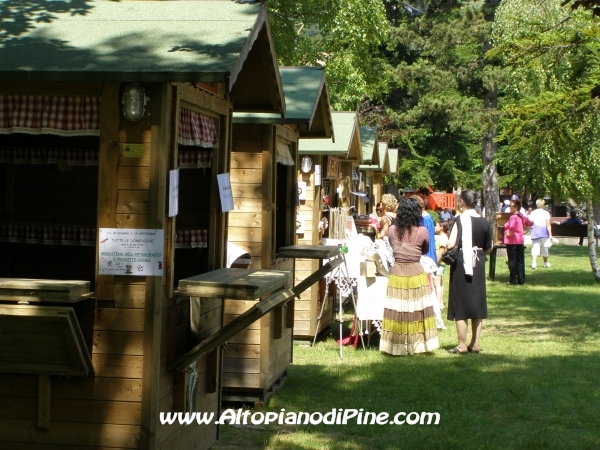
(408, 317)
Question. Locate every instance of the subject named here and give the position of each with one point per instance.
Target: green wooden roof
(368, 142)
(393, 156)
(345, 125)
(101, 40)
(306, 101)
(382, 156)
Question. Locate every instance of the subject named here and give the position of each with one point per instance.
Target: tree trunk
(488, 156)
(592, 241)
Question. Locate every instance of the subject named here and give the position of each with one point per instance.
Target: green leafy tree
(551, 123)
(435, 112)
(343, 36)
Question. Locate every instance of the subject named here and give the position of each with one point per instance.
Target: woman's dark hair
(407, 217)
(516, 203)
(469, 197)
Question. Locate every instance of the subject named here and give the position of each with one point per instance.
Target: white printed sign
(131, 252)
(225, 191)
(173, 192)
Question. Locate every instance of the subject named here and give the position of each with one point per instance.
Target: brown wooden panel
(130, 295)
(239, 234)
(96, 411)
(98, 388)
(246, 337)
(117, 366)
(119, 436)
(118, 343)
(243, 365)
(245, 160)
(251, 176)
(237, 219)
(246, 190)
(248, 205)
(241, 351)
(241, 380)
(238, 306)
(132, 221)
(231, 317)
(119, 319)
(132, 202)
(135, 178)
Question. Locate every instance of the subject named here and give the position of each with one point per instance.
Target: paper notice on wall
(225, 192)
(299, 224)
(131, 252)
(173, 192)
(301, 190)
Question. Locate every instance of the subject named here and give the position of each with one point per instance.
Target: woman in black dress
(467, 298)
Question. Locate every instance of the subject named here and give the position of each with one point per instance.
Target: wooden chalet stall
(329, 156)
(264, 184)
(371, 164)
(95, 340)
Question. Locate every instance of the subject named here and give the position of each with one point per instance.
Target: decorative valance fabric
(191, 239)
(60, 156)
(284, 156)
(197, 129)
(46, 114)
(190, 159)
(48, 235)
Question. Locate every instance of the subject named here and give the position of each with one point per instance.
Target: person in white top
(541, 233)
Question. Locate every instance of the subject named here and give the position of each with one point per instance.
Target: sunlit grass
(534, 386)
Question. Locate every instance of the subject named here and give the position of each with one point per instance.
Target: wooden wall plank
(134, 178)
(107, 180)
(117, 366)
(119, 319)
(118, 342)
(132, 202)
(118, 436)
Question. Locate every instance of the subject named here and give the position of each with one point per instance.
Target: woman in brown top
(408, 318)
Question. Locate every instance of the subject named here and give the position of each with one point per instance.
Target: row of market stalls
(348, 173)
(127, 131)
(117, 120)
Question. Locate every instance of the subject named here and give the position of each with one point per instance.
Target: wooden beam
(154, 285)
(254, 313)
(44, 400)
(108, 166)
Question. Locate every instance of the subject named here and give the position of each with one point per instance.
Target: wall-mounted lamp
(306, 164)
(134, 102)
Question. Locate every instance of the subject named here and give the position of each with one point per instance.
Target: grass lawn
(535, 385)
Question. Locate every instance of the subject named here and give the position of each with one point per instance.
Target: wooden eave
(393, 159)
(320, 124)
(369, 146)
(355, 149)
(254, 82)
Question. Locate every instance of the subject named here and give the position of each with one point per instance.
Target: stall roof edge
(141, 41)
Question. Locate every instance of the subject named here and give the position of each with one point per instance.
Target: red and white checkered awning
(197, 129)
(48, 235)
(194, 159)
(46, 114)
(191, 239)
(60, 156)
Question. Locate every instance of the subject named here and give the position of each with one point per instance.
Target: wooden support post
(278, 325)
(212, 371)
(44, 395)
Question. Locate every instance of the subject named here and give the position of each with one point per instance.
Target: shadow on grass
(533, 387)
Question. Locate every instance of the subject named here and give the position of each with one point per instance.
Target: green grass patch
(533, 386)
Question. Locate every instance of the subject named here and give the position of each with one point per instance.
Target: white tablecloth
(371, 295)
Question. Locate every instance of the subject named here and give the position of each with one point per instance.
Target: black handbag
(449, 257)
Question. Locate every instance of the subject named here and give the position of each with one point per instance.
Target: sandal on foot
(456, 351)
(470, 350)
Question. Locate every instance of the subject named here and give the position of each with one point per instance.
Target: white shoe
(533, 266)
(547, 265)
